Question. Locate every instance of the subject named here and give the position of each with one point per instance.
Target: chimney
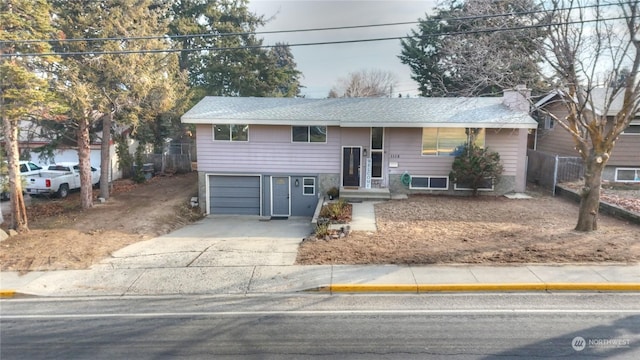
(517, 99)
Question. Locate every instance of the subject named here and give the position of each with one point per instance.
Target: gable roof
(599, 98)
(485, 112)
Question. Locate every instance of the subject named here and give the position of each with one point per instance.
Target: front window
(446, 141)
(314, 134)
(230, 132)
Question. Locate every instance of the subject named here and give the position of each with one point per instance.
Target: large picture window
(314, 134)
(445, 141)
(230, 132)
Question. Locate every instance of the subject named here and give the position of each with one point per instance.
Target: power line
(247, 47)
(206, 35)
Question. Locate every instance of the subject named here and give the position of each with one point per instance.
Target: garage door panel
(234, 192)
(234, 195)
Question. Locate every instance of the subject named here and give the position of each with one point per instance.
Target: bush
(333, 192)
(322, 230)
(474, 165)
(334, 211)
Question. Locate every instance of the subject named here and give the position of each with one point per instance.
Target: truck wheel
(63, 191)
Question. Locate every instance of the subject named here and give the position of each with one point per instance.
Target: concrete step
(365, 194)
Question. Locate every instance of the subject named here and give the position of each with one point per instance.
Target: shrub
(333, 192)
(322, 230)
(474, 165)
(334, 211)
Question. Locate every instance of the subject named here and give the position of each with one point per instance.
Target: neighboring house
(624, 164)
(275, 156)
(30, 140)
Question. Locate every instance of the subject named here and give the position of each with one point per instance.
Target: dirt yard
(64, 237)
(442, 229)
(421, 230)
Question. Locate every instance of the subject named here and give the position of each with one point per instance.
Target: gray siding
(269, 149)
(505, 142)
(626, 152)
(558, 141)
(404, 146)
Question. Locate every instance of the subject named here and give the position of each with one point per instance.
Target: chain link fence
(548, 170)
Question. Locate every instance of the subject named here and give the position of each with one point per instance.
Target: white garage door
(235, 195)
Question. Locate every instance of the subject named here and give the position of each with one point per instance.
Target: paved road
(467, 326)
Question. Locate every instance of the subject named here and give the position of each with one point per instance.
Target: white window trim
(213, 133)
(493, 185)
(306, 186)
(326, 138)
(634, 123)
(381, 151)
(428, 177)
(637, 170)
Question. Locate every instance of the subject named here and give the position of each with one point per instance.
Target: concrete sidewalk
(257, 279)
(240, 255)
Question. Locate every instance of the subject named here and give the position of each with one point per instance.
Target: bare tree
(475, 48)
(365, 83)
(585, 43)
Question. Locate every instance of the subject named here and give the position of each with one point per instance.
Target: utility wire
(205, 35)
(247, 47)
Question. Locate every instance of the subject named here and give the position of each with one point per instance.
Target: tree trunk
(19, 220)
(590, 196)
(105, 156)
(84, 157)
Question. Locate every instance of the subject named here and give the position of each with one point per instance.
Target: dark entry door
(351, 167)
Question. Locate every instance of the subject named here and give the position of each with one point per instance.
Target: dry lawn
(484, 230)
(64, 237)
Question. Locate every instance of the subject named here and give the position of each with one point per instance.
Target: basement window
(429, 183)
(627, 175)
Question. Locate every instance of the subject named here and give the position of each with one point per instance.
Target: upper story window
(446, 141)
(313, 134)
(634, 128)
(230, 132)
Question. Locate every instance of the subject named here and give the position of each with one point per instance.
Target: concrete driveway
(217, 241)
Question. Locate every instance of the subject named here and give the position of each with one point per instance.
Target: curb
(7, 294)
(426, 288)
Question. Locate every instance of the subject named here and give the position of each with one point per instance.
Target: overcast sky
(322, 65)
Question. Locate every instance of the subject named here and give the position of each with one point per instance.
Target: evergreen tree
(101, 86)
(24, 90)
(474, 166)
(226, 57)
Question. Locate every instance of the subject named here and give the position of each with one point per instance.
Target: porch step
(365, 194)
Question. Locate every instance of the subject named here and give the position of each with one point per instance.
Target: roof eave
(527, 125)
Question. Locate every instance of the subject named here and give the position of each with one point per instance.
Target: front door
(280, 203)
(351, 166)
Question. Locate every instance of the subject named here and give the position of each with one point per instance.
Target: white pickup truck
(58, 180)
(27, 168)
